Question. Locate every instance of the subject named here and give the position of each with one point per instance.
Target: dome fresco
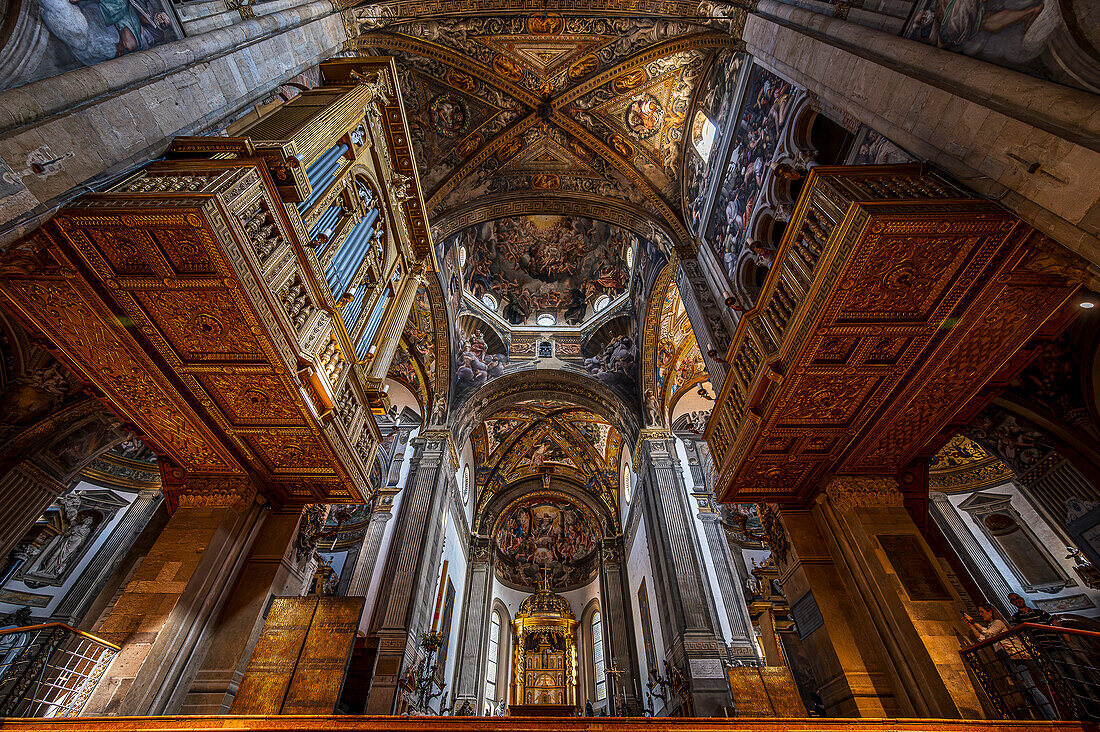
(537, 265)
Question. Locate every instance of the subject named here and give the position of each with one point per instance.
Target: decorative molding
(847, 492)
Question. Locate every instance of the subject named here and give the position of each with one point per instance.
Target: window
(465, 483)
(546, 319)
(702, 135)
(461, 257)
(546, 349)
(489, 301)
(626, 484)
(601, 303)
(630, 256)
(491, 666)
(597, 657)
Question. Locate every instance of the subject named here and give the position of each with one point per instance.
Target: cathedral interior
(503, 364)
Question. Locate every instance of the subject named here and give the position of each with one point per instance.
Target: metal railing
(49, 670)
(1039, 672)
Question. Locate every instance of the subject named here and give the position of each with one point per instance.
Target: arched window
(702, 135)
(465, 483)
(489, 301)
(491, 692)
(626, 484)
(630, 256)
(546, 319)
(461, 257)
(597, 657)
(601, 303)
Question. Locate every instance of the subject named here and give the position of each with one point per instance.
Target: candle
(439, 596)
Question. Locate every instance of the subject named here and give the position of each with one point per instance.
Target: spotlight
(1087, 304)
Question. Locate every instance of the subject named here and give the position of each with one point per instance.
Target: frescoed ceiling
(532, 265)
(543, 439)
(585, 109)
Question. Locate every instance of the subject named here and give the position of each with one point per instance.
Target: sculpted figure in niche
(68, 546)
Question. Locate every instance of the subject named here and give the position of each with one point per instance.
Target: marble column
(729, 579)
(390, 338)
(368, 553)
(26, 491)
(619, 647)
(107, 559)
(692, 635)
(169, 604)
(469, 685)
(272, 569)
(404, 604)
(981, 568)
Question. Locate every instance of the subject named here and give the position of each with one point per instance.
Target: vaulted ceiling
(547, 438)
(514, 112)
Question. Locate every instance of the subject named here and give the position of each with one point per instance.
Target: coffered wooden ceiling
(519, 110)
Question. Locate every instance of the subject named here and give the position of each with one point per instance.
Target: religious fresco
(541, 439)
(546, 532)
(544, 264)
(715, 100)
(1051, 40)
(764, 112)
(1015, 442)
(476, 365)
(871, 148)
(611, 95)
(404, 371)
(56, 36)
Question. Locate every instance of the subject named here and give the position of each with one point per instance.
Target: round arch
(567, 386)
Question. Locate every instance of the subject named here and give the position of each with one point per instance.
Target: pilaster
(473, 638)
(619, 645)
(161, 616)
(692, 634)
(404, 605)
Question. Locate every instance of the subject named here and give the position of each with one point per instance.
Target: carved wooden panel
(893, 299)
(158, 294)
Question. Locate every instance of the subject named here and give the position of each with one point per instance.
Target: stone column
(272, 569)
(864, 577)
(473, 637)
(691, 632)
(162, 614)
(981, 568)
(107, 559)
(730, 580)
(394, 327)
(26, 492)
(404, 605)
(368, 553)
(618, 624)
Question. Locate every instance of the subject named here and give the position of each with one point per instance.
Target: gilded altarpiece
(544, 650)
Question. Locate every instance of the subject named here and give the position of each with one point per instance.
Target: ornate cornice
(847, 492)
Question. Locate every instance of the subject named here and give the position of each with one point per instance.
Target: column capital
(846, 492)
(441, 434)
(648, 439)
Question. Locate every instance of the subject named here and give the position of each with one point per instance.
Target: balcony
(49, 670)
(893, 299)
(191, 296)
(1039, 672)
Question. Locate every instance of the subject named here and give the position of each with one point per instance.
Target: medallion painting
(548, 532)
(533, 265)
(765, 109)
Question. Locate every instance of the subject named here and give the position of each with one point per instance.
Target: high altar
(544, 678)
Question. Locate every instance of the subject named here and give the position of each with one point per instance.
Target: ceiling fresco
(679, 362)
(536, 105)
(549, 530)
(532, 265)
(541, 439)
